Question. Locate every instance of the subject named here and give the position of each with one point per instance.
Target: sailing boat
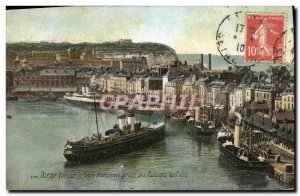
(124, 137)
(205, 128)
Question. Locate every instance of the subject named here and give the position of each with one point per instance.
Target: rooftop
(57, 72)
(217, 84)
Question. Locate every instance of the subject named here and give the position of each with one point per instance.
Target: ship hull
(83, 104)
(29, 99)
(178, 120)
(12, 98)
(201, 131)
(49, 98)
(239, 163)
(118, 148)
(79, 103)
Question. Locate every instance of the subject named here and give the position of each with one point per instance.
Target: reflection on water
(37, 132)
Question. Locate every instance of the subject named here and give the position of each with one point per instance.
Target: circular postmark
(287, 50)
(230, 39)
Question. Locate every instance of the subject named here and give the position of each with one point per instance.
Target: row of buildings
(207, 88)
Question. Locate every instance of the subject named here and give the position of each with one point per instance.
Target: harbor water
(37, 132)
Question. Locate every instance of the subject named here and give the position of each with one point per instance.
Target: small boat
(11, 98)
(30, 99)
(201, 128)
(49, 98)
(242, 158)
(176, 118)
(8, 116)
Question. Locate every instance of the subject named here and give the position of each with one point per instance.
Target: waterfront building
(131, 86)
(225, 95)
(214, 91)
(238, 96)
(26, 78)
(173, 88)
(139, 85)
(83, 78)
(285, 101)
(265, 93)
(117, 82)
(189, 85)
(250, 91)
(171, 75)
(202, 83)
(43, 80)
(153, 86)
(103, 81)
(94, 81)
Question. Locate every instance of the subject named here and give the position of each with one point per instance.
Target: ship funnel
(237, 129)
(83, 89)
(87, 89)
(237, 135)
(131, 120)
(201, 62)
(209, 62)
(197, 114)
(122, 120)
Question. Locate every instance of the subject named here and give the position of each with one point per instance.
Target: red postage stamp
(264, 40)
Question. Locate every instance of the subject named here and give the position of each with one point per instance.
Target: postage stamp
(264, 42)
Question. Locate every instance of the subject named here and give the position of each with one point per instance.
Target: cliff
(158, 52)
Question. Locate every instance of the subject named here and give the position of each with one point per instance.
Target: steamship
(199, 128)
(83, 98)
(241, 157)
(124, 137)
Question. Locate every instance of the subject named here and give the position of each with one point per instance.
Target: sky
(188, 30)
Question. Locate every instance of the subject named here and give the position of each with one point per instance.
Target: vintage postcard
(150, 98)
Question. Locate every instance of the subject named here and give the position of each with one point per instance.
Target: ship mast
(96, 116)
(203, 111)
